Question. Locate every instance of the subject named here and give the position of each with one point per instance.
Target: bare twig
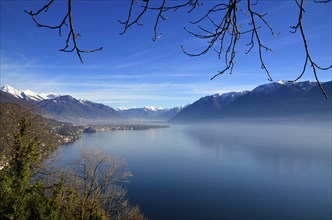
(218, 26)
(129, 23)
(308, 57)
(224, 35)
(161, 10)
(255, 35)
(72, 36)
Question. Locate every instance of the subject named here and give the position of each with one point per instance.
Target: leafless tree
(219, 26)
(99, 182)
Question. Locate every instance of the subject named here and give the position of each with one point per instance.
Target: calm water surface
(224, 171)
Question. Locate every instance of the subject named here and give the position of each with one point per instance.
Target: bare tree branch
(72, 36)
(129, 23)
(218, 26)
(160, 13)
(308, 57)
(255, 35)
(226, 33)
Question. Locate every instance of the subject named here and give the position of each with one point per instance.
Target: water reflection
(286, 147)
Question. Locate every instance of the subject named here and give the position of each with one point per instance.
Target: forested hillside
(92, 188)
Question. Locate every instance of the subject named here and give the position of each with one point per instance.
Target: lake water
(224, 171)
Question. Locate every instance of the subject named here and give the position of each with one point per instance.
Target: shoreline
(79, 130)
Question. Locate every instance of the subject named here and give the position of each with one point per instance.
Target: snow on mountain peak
(27, 94)
(50, 95)
(83, 101)
(15, 92)
(152, 108)
(33, 95)
(145, 108)
(122, 108)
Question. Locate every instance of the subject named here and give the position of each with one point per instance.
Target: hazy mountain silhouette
(278, 99)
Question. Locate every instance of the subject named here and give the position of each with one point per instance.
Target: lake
(230, 170)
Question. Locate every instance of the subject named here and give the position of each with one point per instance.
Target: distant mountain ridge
(62, 107)
(149, 113)
(79, 111)
(67, 108)
(277, 99)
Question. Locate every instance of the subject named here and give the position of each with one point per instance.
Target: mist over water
(227, 170)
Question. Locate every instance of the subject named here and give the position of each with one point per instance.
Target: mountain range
(61, 107)
(79, 111)
(272, 100)
(27, 95)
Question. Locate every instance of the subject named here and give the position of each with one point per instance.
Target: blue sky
(134, 71)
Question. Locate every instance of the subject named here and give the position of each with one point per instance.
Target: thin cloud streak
(137, 76)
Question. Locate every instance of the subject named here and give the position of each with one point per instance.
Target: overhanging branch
(308, 57)
(71, 36)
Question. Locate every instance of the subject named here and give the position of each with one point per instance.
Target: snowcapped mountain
(61, 107)
(277, 99)
(27, 94)
(271, 87)
(152, 108)
(149, 113)
(69, 109)
(145, 108)
(15, 92)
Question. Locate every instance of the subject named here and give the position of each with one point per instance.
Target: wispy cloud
(111, 76)
(32, 65)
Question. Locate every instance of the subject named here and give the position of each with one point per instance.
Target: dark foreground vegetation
(91, 188)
